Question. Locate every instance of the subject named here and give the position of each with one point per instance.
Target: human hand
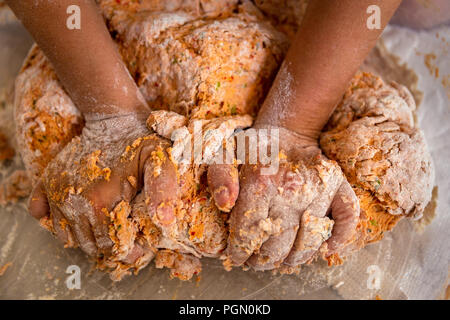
(83, 190)
(282, 219)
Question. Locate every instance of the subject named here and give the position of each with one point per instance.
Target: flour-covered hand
(283, 219)
(85, 192)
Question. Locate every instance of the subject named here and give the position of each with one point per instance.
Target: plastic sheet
(409, 264)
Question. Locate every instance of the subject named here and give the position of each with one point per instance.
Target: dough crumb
(4, 268)
(182, 266)
(15, 187)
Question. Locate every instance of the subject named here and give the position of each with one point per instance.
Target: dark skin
(86, 60)
(91, 70)
(331, 44)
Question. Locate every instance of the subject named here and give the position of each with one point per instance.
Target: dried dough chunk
(384, 157)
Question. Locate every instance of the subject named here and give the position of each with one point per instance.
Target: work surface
(410, 265)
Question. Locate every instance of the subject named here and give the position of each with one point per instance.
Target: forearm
(86, 60)
(332, 42)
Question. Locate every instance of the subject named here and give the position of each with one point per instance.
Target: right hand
(109, 163)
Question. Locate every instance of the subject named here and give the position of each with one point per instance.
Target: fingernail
(134, 254)
(165, 214)
(222, 198)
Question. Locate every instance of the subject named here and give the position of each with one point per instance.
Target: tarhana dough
(215, 61)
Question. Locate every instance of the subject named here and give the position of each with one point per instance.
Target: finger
(315, 227)
(62, 228)
(248, 225)
(100, 224)
(137, 253)
(134, 254)
(284, 225)
(161, 187)
(109, 207)
(75, 209)
(314, 231)
(223, 181)
(287, 208)
(102, 198)
(345, 212)
(38, 204)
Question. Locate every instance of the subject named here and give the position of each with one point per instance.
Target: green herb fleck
(376, 184)
(160, 154)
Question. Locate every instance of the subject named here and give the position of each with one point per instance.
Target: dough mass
(215, 61)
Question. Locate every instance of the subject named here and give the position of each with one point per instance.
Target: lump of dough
(201, 68)
(14, 187)
(384, 157)
(46, 118)
(218, 70)
(197, 67)
(113, 8)
(201, 63)
(285, 15)
(182, 266)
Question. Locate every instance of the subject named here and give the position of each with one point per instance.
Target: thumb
(345, 213)
(223, 182)
(161, 187)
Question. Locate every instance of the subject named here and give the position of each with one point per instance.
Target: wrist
(290, 137)
(302, 123)
(138, 114)
(116, 126)
(121, 106)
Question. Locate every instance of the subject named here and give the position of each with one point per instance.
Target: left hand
(282, 219)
